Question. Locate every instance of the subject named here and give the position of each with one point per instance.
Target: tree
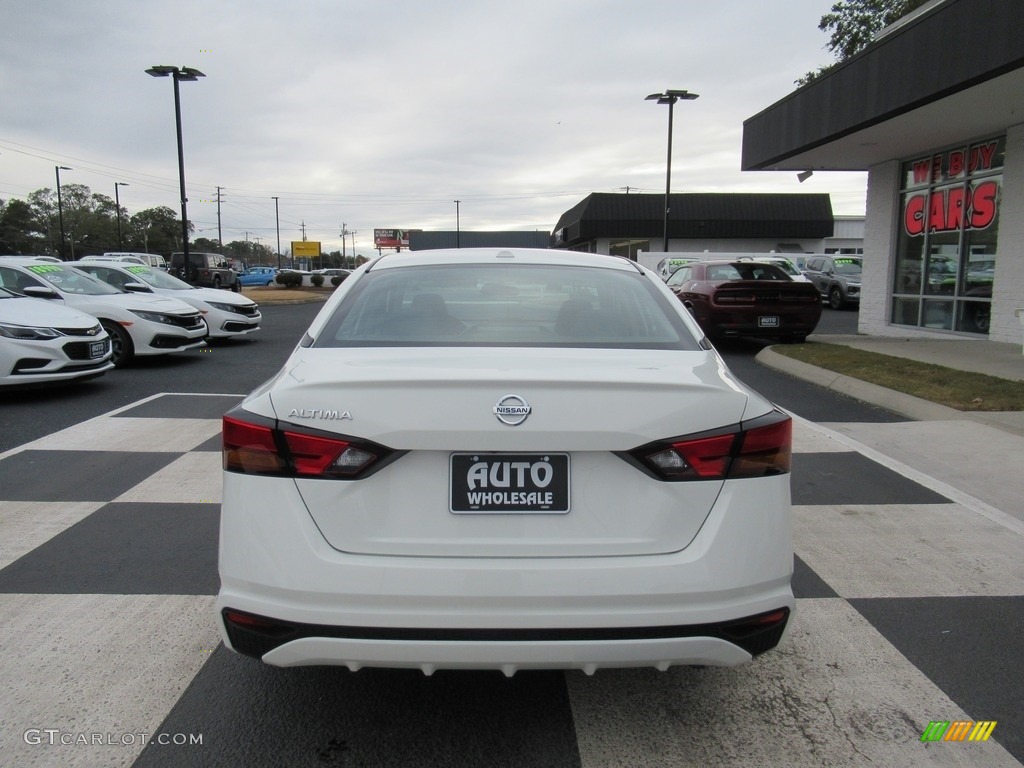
(33, 226)
(20, 230)
(156, 230)
(204, 245)
(854, 24)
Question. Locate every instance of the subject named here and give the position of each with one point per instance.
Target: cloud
(381, 114)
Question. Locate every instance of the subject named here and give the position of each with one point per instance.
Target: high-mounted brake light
(757, 448)
(254, 445)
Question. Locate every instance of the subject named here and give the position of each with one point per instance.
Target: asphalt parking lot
(909, 612)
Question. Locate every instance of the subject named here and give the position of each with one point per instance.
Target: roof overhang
(953, 73)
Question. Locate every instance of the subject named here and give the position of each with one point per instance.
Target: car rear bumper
(323, 606)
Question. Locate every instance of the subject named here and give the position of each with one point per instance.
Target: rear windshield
(493, 305)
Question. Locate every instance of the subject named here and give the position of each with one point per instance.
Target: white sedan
(137, 324)
(505, 459)
(226, 314)
(42, 342)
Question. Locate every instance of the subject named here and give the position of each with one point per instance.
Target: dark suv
(211, 270)
(837, 278)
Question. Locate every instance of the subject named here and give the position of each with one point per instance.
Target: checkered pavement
(108, 548)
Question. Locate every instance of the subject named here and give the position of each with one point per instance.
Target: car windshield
(71, 280)
(847, 266)
(787, 267)
(745, 270)
(488, 305)
(159, 279)
(680, 276)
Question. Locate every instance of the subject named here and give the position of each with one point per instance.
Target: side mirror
(39, 292)
(137, 288)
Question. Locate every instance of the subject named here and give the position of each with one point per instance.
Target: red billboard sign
(394, 239)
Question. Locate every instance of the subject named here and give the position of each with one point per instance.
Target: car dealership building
(630, 224)
(933, 110)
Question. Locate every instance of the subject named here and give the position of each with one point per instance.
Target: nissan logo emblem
(512, 410)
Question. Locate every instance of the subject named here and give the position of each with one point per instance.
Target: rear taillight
(756, 448)
(253, 445)
(250, 448)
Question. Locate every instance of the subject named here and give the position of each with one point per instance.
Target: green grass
(962, 390)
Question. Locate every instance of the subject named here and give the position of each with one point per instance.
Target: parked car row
(747, 298)
(139, 311)
(725, 301)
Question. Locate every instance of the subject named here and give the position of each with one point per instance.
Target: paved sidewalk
(979, 454)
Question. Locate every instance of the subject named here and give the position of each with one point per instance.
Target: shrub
(336, 280)
(289, 279)
(316, 280)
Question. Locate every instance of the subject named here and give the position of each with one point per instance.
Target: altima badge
(512, 410)
(318, 413)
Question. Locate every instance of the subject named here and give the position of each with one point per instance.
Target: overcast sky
(381, 114)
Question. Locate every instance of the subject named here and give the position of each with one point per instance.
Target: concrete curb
(897, 402)
(906, 405)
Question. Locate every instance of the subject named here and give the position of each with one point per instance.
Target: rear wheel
(835, 298)
(796, 338)
(122, 349)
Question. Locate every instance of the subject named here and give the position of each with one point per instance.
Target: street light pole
(669, 97)
(117, 203)
(60, 208)
(187, 74)
(277, 221)
(457, 227)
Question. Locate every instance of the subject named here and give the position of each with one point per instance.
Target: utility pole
(277, 221)
(344, 232)
(220, 237)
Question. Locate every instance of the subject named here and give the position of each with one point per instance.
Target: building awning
(952, 72)
(696, 216)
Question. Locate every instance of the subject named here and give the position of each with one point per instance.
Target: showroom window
(629, 249)
(946, 250)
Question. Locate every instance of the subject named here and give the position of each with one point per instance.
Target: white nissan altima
(505, 459)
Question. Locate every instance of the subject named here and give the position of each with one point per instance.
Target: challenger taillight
(253, 445)
(756, 448)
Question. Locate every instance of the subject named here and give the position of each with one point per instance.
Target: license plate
(509, 483)
(97, 349)
(768, 321)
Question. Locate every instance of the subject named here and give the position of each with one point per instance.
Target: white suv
(154, 260)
